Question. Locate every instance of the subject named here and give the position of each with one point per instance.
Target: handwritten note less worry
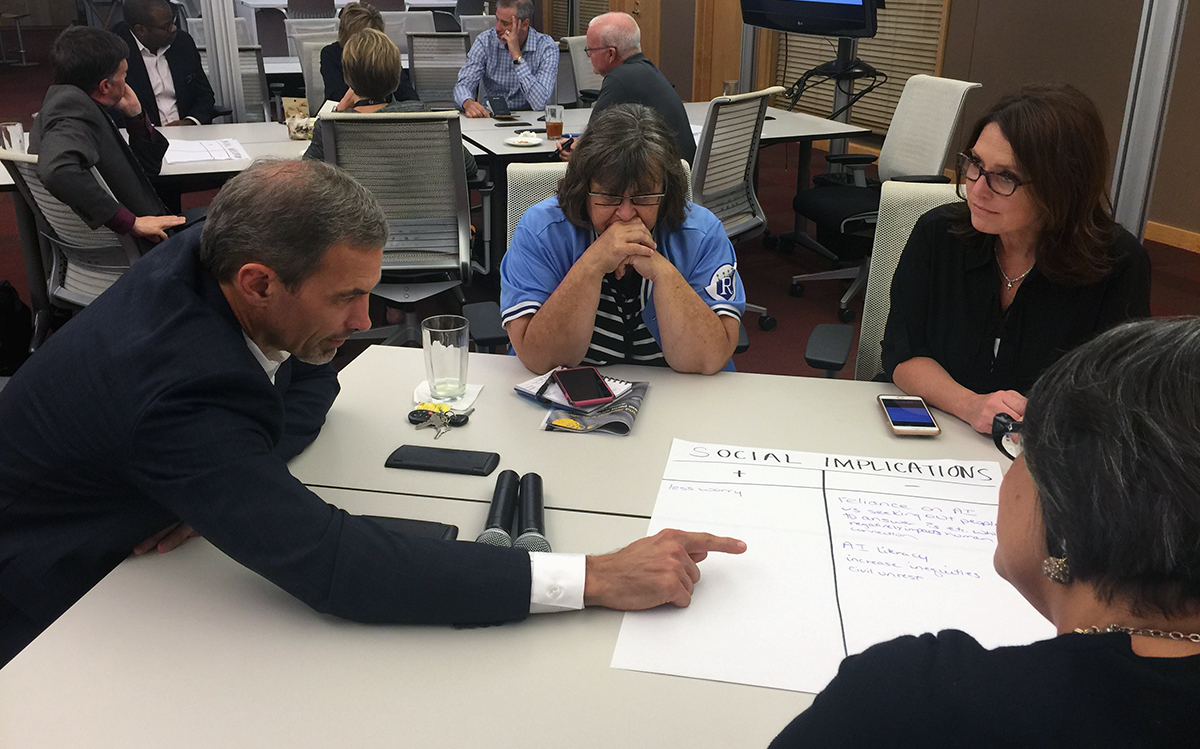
(844, 552)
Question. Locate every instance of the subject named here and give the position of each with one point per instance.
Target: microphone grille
(532, 541)
(494, 537)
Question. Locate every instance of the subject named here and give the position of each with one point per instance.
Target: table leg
(803, 169)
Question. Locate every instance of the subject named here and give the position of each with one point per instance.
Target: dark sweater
(948, 691)
(946, 306)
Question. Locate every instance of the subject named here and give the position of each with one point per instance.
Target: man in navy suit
(173, 402)
(164, 66)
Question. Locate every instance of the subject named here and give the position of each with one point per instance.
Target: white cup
(445, 340)
(12, 136)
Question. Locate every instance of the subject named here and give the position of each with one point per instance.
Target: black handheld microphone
(497, 530)
(531, 522)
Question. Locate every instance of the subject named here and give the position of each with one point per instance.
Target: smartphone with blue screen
(909, 416)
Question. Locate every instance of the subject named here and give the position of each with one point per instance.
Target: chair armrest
(828, 347)
(588, 96)
(743, 339)
(851, 159)
(932, 179)
(483, 322)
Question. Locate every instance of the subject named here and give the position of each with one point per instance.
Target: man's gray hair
(619, 30)
(1111, 438)
(524, 8)
(287, 214)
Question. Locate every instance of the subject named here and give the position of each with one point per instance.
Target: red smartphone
(583, 386)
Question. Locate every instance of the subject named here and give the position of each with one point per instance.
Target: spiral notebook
(553, 394)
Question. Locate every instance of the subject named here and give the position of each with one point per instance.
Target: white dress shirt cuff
(193, 119)
(557, 582)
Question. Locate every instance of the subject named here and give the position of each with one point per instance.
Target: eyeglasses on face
(168, 26)
(611, 201)
(589, 50)
(1001, 183)
(1006, 433)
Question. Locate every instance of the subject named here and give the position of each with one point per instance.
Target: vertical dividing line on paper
(833, 564)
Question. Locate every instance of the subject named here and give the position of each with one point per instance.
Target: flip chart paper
(843, 552)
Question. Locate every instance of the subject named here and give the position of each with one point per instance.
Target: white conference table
(782, 127)
(601, 472)
(191, 649)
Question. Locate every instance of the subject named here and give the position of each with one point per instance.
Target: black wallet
(443, 460)
(416, 528)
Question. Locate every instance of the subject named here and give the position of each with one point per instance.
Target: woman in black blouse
(1098, 528)
(991, 291)
(353, 18)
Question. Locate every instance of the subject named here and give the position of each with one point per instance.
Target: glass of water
(445, 340)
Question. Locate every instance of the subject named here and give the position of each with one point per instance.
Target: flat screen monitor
(840, 18)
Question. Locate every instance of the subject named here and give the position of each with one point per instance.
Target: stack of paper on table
(180, 151)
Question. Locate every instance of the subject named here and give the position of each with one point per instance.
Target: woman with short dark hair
(619, 267)
(992, 290)
(1098, 528)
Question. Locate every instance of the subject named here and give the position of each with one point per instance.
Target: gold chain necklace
(1178, 636)
(1010, 281)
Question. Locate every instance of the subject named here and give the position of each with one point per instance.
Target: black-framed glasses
(1006, 433)
(1001, 183)
(168, 26)
(611, 201)
(589, 50)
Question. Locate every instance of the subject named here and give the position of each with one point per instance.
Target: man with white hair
(614, 45)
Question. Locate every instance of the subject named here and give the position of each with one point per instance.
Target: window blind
(907, 43)
(588, 9)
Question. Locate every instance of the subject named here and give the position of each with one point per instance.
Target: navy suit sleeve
(308, 394)
(204, 449)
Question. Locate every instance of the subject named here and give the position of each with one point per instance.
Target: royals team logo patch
(723, 284)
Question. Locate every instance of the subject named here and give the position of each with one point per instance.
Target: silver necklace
(1008, 282)
(1192, 637)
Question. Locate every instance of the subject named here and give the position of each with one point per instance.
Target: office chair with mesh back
(254, 84)
(900, 205)
(434, 61)
(724, 172)
(470, 8)
(412, 163)
(475, 25)
(309, 29)
(198, 30)
(311, 9)
(84, 261)
(397, 24)
(914, 151)
(587, 81)
(308, 49)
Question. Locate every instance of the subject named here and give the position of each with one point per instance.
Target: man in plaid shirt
(513, 61)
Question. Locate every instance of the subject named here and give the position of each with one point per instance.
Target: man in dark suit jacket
(614, 44)
(164, 66)
(74, 132)
(175, 399)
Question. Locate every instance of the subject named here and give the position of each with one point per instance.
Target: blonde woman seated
(371, 64)
(1099, 529)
